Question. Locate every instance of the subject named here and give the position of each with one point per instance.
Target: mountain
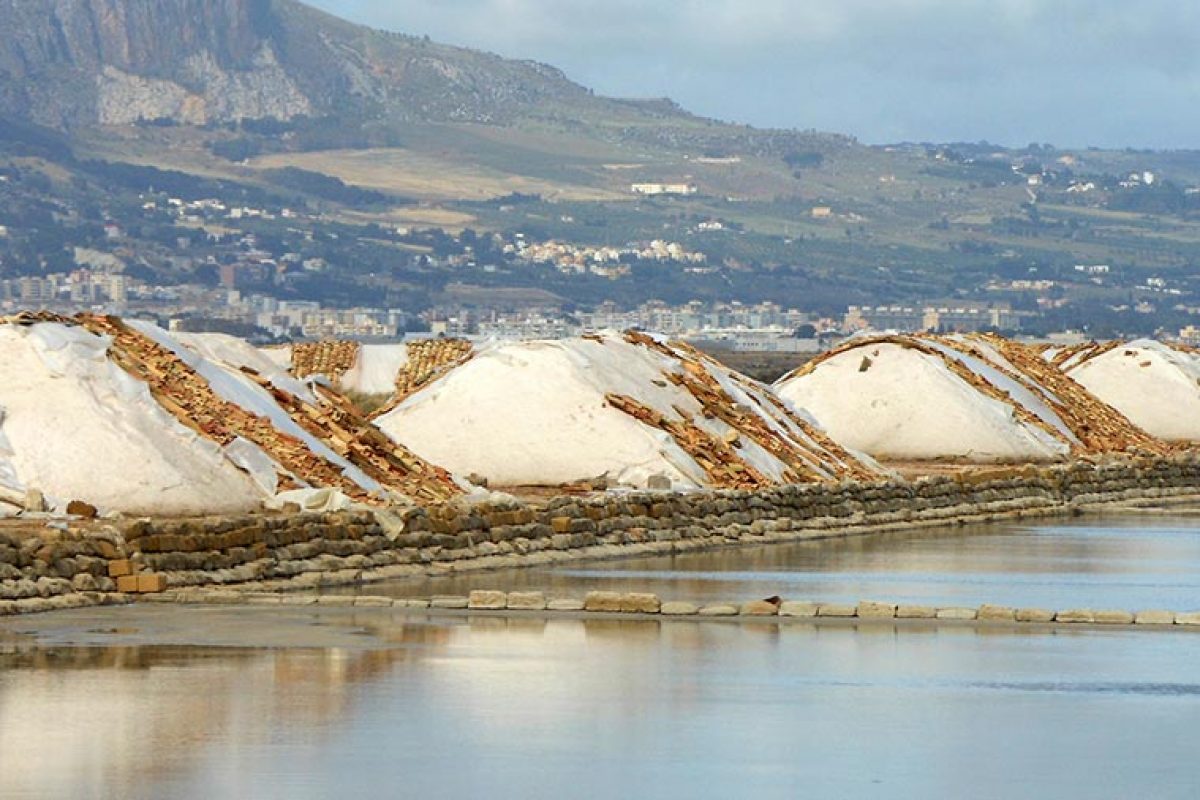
(68, 63)
(110, 108)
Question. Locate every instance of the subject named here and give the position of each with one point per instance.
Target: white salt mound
(376, 369)
(535, 413)
(1156, 386)
(78, 427)
(909, 405)
(279, 356)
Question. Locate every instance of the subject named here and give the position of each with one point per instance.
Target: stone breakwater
(55, 567)
(638, 605)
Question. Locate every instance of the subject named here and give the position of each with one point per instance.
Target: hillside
(79, 62)
(110, 108)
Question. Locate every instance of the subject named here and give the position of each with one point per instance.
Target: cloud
(1074, 72)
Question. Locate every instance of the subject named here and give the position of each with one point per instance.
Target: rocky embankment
(59, 567)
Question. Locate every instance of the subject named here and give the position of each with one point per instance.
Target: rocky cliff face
(65, 63)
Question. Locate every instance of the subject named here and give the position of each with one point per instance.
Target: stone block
(298, 600)
(916, 612)
(373, 601)
(1035, 615)
(1113, 617)
(607, 602)
(78, 508)
(873, 609)
(485, 600)
(798, 608)
(331, 600)
(719, 610)
(1187, 618)
(120, 568)
(527, 601)
(1155, 617)
(659, 482)
(837, 610)
(993, 613)
(957, 613)
(449, 601)
(565, 604)
(640, 603)
(679, 609)
(759, 608)
(1075, 616)
(561, 524)
(35, 501)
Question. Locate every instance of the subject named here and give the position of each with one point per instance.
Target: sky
(1073, 73)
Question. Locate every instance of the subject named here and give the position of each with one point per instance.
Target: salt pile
(974, 399)
(128, 418)
(76, 426)
(395, 370)
(1156, 385)
(627, 409)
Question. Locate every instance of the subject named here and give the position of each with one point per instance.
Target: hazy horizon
(1067, 72)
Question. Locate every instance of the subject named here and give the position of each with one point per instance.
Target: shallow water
(565, 708)
(157, 701)
(1120, 562)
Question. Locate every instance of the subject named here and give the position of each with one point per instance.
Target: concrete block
(679, 609)
(485, 600)
(958, 613)
(639, 603)
(527, 601)
(993, 613)
(873, 609)
(759, 608)
(336, 600)
(565, 604)
(369, 601)
(798, 608)
(298, 600)
(607, 602)
(151, 583)
(1155, 617)
(120, 568)
(1075, 615)
(1187, 618)
(449, 601)
(1113, 617)
(719, 610)
(916, 612)
(1035, 615)
(837, 610)
(127, 584)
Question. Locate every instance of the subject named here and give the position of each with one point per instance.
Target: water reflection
(551, 708)
(1119, 563)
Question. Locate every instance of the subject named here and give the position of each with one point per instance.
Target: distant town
(249, 265)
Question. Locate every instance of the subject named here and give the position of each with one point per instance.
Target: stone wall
(291, 551)
(55, 567)
(358, 547)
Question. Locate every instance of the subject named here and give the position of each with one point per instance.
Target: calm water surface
(495, 708)
(1122, 562)
(158, 701)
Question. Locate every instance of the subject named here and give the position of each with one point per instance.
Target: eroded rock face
(80, 61)
(264, 92)
(69, 63)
